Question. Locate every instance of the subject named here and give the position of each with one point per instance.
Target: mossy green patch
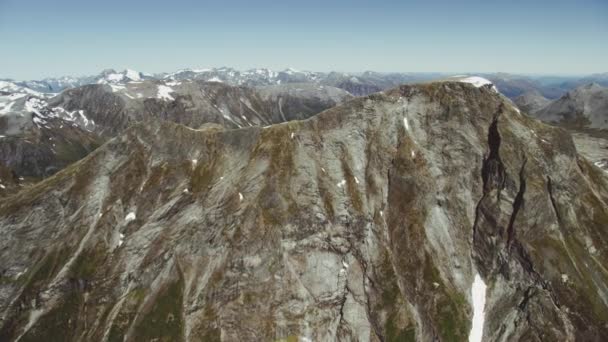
(62, 323)
(34, 281)
(164, 321)
(352, 186)
(451, 306)
(202, 176)
(276, 145)
(126, 315)
(89, 263)
(397, 326)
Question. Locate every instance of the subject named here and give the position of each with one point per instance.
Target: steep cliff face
(368, 221)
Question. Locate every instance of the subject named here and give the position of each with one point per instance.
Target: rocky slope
(531, 101)
(583, 107)
(368, 221)
(41, 135)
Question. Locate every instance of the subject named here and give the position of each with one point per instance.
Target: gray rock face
(365, 222)
(584, 107)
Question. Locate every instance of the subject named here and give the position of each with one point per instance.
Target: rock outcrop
(368, 221)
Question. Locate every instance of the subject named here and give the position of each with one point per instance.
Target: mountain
(41, 135)
(583, 107)
(383, 218)
(9, 87)
(110, 76)
(358, 83)
(57, 85)
(531, 101)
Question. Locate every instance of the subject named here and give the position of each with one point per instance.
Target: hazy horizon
(51, 39)
(350, 72)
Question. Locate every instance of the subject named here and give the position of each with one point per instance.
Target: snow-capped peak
(112, 77)
(290, 71)
(132, 74)
(11, 87)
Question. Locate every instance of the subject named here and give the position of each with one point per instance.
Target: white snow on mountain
(132, 75)
(113, 77)
(476, 81)
(11, 87)
(478, 293)
(164, 93)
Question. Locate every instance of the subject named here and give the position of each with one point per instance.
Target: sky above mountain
(41, 38)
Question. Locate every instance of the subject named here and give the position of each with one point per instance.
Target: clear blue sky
(40, 38)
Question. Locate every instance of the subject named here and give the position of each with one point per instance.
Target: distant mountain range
(357, 84)
(48, 124)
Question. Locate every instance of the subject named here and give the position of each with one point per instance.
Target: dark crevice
(342, 303)
(492, 169)
(528, 294)
(517, 203)
(552, 198)
(371, 317)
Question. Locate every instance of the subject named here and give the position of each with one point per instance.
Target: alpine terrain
(214, 212)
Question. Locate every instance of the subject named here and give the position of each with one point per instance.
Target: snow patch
(517, 110)
(406, 124)
(130, 217)
(7, 108)
(116, 88)
(240, 196)
(478, 82)
(478, 292)
(341, 183)
(132, 74)
(164, 93)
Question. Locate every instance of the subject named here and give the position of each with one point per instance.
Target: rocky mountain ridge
(41, 134)
(357, 83)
